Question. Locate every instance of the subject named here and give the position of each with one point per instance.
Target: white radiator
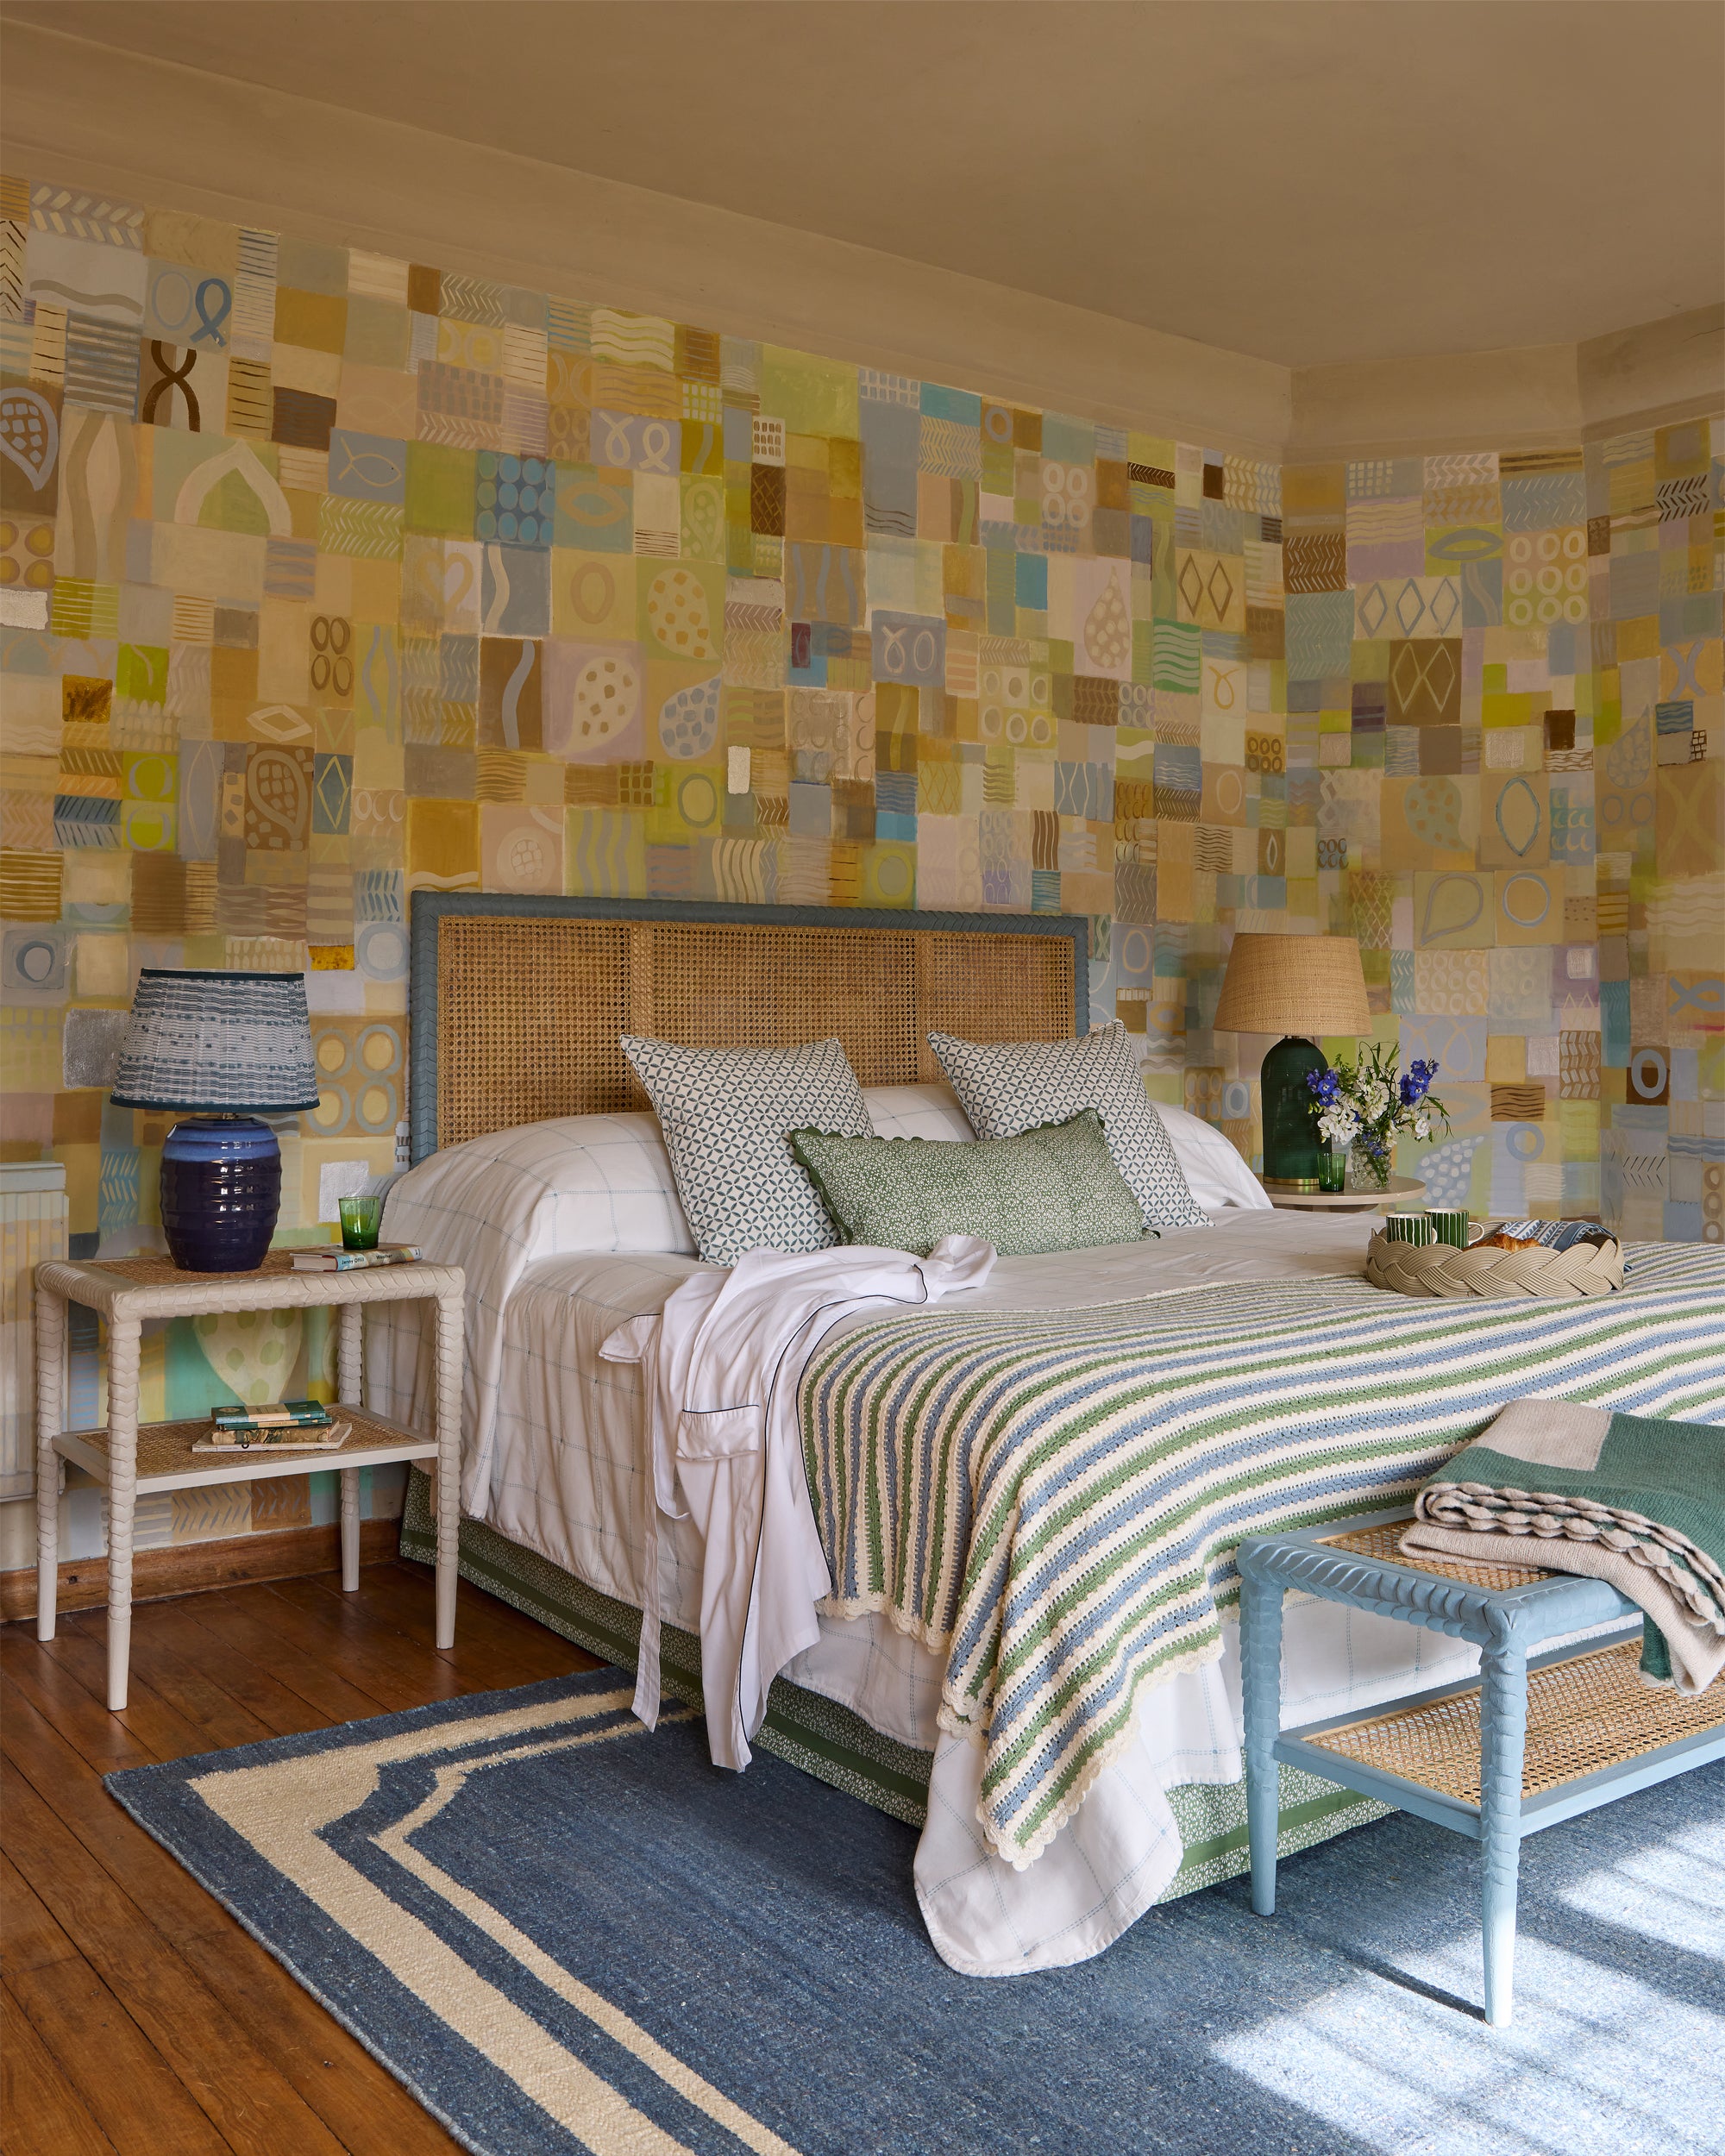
(32, 1226)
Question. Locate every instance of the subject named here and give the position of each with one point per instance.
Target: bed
(1048, 1687)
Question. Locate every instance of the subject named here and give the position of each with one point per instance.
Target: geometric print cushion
(724, 1112)
(1005, 1086)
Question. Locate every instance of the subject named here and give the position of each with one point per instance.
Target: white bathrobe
(722, 1365)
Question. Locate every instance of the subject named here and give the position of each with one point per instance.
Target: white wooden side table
(124, 1292)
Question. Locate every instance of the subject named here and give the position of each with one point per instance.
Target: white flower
(1377, 1099)
(1422, 1127)
(1340, 1125)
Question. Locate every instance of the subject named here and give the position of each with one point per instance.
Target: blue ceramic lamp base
(221, 1191)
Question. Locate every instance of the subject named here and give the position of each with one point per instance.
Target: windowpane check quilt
(1054, 1500)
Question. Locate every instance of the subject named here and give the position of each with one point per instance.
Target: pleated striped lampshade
(217, 1044)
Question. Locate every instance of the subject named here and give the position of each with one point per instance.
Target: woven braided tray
(1439, 1270)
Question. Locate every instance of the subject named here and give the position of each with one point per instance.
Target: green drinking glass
(361, 1218)
(1332, 1167)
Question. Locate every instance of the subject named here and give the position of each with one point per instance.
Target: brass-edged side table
(1400, 1190)
(129, 1459)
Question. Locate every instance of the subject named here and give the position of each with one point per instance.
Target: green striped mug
(1450, 1225)
(1408, 1227)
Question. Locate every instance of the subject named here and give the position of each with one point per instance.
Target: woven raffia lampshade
(1294, 984)
(218, 1044)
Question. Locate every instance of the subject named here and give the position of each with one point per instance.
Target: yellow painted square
(443, 842)
(316, 320)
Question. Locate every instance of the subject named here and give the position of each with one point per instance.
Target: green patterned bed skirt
(830, 1742)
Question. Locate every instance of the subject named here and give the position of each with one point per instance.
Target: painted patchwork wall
(1504, 682)
(326, 577)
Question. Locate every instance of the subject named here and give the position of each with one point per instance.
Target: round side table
(1400, 1190)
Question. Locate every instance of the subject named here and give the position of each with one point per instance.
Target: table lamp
(1299, 986)
(224, 1048)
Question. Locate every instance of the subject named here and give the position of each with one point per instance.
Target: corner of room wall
(1395, 692)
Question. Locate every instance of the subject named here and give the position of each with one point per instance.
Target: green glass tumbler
(1332, 1167)
(361, 1218)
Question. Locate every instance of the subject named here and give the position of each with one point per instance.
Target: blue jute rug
(563, 1934)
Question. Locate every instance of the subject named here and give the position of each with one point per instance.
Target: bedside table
(1400, 1190)
(129, 1459)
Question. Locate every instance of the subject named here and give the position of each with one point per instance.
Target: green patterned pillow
(1052, 1188)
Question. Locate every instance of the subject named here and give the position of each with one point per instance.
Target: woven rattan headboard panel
(517, 1002)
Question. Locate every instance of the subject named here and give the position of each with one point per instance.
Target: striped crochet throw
(1053, 1500)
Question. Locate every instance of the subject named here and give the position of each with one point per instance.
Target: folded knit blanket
(1628, 1498)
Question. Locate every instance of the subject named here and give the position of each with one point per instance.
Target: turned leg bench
(1542, 1736)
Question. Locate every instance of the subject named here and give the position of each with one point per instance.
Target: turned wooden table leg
(350, 1387)
(450, 1319)
(1261, 1700)
(1502, 1738)
(123, 1337)
(50, 1417)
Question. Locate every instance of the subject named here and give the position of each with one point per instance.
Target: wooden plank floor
(135, 2014)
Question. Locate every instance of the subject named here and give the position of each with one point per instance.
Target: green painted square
(440, 491)
(811, 395)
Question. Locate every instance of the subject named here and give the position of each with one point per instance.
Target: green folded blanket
(1628, 1499)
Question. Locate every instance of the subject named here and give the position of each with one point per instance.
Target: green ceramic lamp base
(1291, 1145)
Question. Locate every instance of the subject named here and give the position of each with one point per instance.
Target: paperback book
(327, 1437)
(333, 1259)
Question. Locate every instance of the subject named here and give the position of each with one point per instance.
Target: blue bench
(1541, 1737)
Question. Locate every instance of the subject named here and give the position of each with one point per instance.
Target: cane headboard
(517, 1002)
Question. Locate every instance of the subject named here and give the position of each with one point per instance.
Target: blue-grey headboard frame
(432, 907)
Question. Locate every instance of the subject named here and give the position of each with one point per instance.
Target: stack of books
(292, 1425)
(333, 1258)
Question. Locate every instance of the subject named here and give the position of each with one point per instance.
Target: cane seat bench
(1548, 1730)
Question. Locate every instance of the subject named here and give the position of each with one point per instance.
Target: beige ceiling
(1307, 181)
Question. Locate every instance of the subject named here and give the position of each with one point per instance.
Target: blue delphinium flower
(1367, 1104)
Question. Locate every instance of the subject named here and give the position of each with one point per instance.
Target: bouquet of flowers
(1364, 1106)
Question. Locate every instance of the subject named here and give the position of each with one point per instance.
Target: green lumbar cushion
(1055, 1188)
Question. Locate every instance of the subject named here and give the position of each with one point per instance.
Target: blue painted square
(514, 499)
(515, 591)
(1179, 767)
(739, 434)
(1066, 441)
(1690, 614)
(811, 810)
(332, 794)
(955, 404)
(1614, 1024)
(367, 468)
(910, 648)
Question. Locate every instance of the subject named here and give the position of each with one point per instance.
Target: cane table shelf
(128, 1458)
(167, 1459)
(1536, 1741)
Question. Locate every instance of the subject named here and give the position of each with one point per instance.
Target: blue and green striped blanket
(1052, 1500)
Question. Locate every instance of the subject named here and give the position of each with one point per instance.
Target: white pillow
(1216, 1175)
(916, 1112)
(594, 1183)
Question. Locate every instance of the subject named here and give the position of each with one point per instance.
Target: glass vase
(1366, 1169)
